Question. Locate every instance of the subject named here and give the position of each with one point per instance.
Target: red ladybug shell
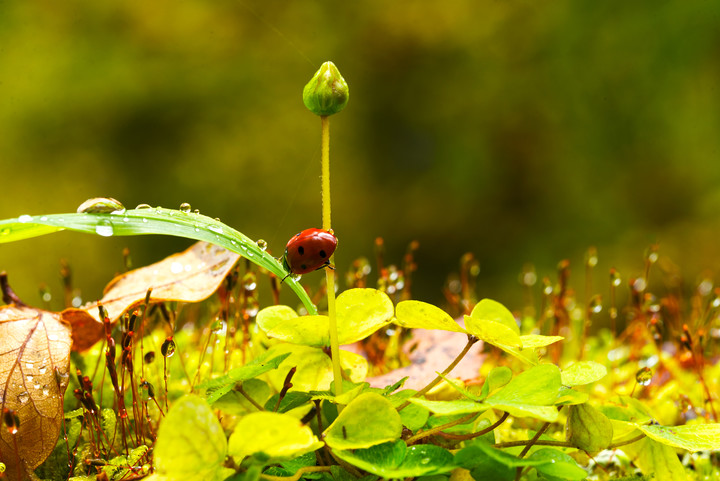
(309, 250)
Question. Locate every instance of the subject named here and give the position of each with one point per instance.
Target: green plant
(247, 393)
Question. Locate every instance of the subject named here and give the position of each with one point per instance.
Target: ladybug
(309, 250)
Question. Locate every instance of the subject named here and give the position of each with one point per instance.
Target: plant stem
(437, 429)
(471, 340)
(329, 273)
(464, 437)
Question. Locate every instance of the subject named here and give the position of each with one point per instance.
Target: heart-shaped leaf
(191, 444)
(421, 315)
(277, 435)
(588, 429)
(397, 461)
(360, 312)
(368, 420)
(34, 365)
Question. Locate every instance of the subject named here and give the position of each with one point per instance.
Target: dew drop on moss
(168, 347)
(644, 376)
(149, 357)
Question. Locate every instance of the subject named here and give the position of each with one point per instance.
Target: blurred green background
(521, 131)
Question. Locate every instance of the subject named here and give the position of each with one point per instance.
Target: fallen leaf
(34, 365)
(431, 351)
(189, 276)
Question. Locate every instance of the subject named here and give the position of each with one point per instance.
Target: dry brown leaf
(431, 351)
(189, 276)
(34, 365)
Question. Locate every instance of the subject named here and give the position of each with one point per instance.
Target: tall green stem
(330, 273)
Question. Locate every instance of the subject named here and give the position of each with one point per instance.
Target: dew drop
(149, 357)
(24, 219)
(615, 279)
(176, 267)
(143, 206)
(29, 365)
(43, 218)
(196, 211)
(216, 229)
(168, 347)
(42, 369)
(424, 460)
(104, 229)
(12, 422)
(185, 207)
(46, 391)
(144, 220)
(262, 244)
(644, 376)
(36, 386)
(596, 304)
(23, 397)
(30, 378)
(100, 205)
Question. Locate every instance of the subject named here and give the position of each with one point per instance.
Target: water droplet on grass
(100, 205)
(143, 206)
(23, 219)
(185, 207)
(262, 244)
(216, 229)
(105, 228)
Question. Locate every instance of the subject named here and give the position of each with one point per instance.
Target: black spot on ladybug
(322, 254)
(301, 250)
(303, 266)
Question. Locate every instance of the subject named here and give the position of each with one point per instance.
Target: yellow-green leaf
(533, 341)
(421, 315)
(314, 368)
(191, 444)
(581, 373)
(588, 429)
(279, 436)
(368, 420)
(654, 458)
(489, 310)
(691, 437)
(360, 312)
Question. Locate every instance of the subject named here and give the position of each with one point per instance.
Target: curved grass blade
(152, 221)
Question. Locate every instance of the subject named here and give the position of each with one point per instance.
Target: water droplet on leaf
(185, 207)
(23, 397)
(24, 219)
(143, 206)
(262, 244)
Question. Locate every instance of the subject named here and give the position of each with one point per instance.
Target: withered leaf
(34, 365)
(430, 352)
(189, 276)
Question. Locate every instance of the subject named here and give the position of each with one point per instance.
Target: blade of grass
(152, 221)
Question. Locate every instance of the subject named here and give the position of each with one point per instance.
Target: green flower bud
(327, 92)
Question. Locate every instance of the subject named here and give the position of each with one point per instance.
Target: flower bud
(327, 92)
